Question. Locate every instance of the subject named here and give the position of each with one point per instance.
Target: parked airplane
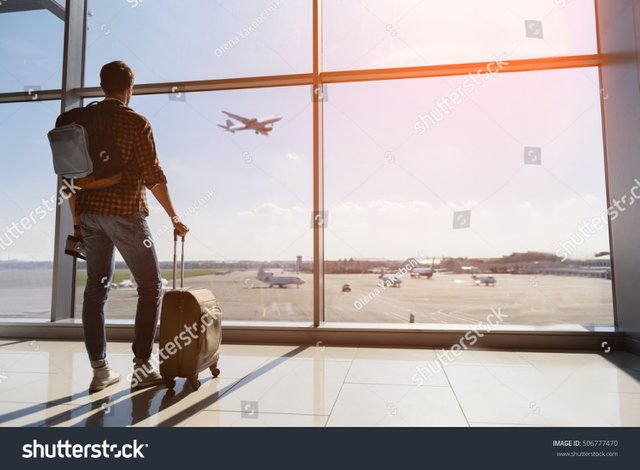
(422, 272)
(126, 284)
(222, 273)
(486, 280)
(280, 281)
(259, 126)
(390, 280)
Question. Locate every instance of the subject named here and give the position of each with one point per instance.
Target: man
(115, 218)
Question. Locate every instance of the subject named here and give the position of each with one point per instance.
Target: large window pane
(378, 33)
(27, 218)
(165, 40)
(498, 185)
(30, 48)
(246, 197)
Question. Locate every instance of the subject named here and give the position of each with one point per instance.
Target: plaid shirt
(134, 139)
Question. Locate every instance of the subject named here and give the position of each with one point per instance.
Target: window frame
(72, 93)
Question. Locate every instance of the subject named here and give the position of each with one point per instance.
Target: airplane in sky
(259, 126)
(280, 281)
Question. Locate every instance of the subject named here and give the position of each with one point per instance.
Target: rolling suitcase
(190, 330)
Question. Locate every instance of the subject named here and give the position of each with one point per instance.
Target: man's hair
(116, 77)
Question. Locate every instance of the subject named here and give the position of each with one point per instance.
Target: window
(27, 219)
(473, 191)
(165, 40)
(30, 49)
(370, 34)
(496, 187)
(247, 199)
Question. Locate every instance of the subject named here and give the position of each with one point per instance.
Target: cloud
(269, 209)
(350, 208)
(291, 155)
(383, 205)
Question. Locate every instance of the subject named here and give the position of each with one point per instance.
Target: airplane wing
(243, 120)
(269, 120)
(264, 130)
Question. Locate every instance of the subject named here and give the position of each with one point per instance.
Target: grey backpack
(84, 148)
(70, 148)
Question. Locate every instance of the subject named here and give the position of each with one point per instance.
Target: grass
(124, 274)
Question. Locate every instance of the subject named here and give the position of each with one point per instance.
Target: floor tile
(45, 383)
(29, 414)
(395, 354)
(554, 396)
(546, 359)
(396, 366)
(489, 358)
(148, 407)
(396, 405)
(24, 362)
(328, 353)
(293, 386)
(427, 373)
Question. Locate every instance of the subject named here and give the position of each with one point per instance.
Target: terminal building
(315, 149)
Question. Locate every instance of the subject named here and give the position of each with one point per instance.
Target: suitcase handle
(175, 260)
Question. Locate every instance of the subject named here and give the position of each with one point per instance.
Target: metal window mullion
(64, 267)
(318, 169)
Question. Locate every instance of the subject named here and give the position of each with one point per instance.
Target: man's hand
(180, 228)
(161, 193)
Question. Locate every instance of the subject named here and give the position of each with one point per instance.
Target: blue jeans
(131, 236)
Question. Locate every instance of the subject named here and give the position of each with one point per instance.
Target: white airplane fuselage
(262, 125)
(280, 281)
(422, 272)
(391, 280)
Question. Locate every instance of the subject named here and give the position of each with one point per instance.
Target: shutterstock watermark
(562, 3)
(447, 104)
(180, 341)
(14, 231)
(589, 228)
(248, 29)
(388, 281)
(470, 338)
(199, 204)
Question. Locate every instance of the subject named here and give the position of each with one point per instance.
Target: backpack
(84, 149)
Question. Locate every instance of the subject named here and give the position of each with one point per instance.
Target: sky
(391, 191)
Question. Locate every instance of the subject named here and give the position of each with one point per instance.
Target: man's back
(134, 141)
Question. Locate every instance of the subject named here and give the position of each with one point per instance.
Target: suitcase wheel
(194, 382)
(170, 382)
(214, 371)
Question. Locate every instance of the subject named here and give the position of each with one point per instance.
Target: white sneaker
(145, 376)
(103, 377)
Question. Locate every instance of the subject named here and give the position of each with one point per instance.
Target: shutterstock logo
(66, 450)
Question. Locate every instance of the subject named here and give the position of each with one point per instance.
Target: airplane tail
(227, 126)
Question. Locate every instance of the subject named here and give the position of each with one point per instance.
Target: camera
(75, 247)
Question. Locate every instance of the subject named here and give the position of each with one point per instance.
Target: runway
(446, 299)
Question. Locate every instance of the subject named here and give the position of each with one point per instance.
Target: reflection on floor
(45, 384)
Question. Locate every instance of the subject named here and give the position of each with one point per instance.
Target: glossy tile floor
(45, 384)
